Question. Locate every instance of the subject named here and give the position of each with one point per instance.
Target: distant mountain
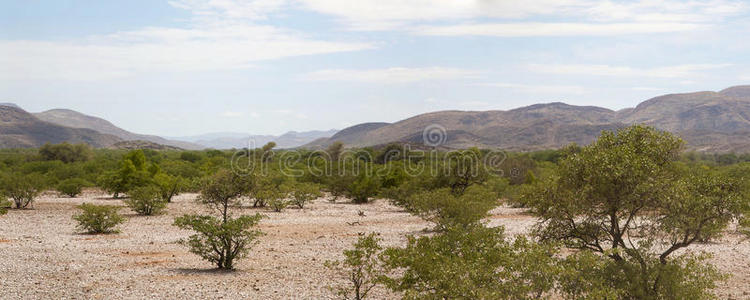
(74, 119)
(20, 129)
(234, 140)
(139, 144)
(707, 121)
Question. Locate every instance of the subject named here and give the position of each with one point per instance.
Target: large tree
(625, 198)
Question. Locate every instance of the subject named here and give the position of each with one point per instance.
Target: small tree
(361, 268)
(71, 187)
(23, 189)
(65, 152)
(98, 218)
(146, 200)
(224, 239)
(304, 192)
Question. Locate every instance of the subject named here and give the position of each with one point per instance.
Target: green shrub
(363, 187)
(146, 200)
(98, 218)
(445, 209)
(4, 205)
(23, 189)
(169, 186)
(65, 152)
(470, 263)
(361, 267)
(304, 192)
(71, 187)
(221, 240)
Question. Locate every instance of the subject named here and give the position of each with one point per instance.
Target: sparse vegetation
(98, 219)
(146, 200)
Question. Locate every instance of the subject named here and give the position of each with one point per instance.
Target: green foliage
(146, 200)
(4, 205)
(132, 173)
(23, 188)
(361, 267)
(72, 187)
(586, 275)
(470, 263)
(626, 185)
(65, 152)
(221, 240)
(98, 218)
(270, 189)
(168, 185)
(364, 186)
(447, 210)
(304, 192)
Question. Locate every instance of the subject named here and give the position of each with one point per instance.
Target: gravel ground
(42, 256)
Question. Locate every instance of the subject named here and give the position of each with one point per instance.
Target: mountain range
(21, 129)
(707, 121)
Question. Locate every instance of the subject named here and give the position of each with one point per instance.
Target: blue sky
(186, 67)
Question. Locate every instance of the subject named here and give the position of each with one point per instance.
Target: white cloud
(232, 114)
(745, 77)
(217, 39)
(624, 71)
(391, 75)
(554, 29)
(542, 89)
(407, 14)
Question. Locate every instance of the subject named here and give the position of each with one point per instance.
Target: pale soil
(43, 257)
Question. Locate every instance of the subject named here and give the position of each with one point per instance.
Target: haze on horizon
(188, 67)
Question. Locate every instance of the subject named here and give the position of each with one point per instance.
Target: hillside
(20, 129)
(74, 119)
(708, 121)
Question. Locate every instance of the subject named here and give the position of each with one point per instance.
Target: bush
(364, 187)
(71, 187)
(146, 200)
(98, 218)
(470, 263)
(65, 152)
(23, 189)
(4, 205)
(169, 186)
(446, 210)
(220, 241)
(361, 267)
(303, 192)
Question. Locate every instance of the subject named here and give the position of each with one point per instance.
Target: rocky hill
(74, 119)
(20, 129)
(708, 121)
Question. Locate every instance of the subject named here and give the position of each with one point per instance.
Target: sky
(188, 67)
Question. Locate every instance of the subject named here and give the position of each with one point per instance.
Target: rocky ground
(42, 256)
